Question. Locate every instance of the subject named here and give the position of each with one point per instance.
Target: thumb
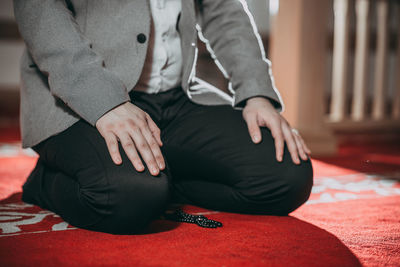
(254, 129)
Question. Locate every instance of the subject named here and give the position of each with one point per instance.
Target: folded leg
(214, 164)
(76, 178)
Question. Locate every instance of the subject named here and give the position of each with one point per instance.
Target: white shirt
(162, 69)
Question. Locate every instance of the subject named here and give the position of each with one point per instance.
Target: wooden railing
(368, 110)
(324, 97)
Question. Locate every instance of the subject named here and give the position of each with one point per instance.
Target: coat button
(141, 38)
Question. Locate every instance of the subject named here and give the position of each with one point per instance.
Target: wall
(10, 48)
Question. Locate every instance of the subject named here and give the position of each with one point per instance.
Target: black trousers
(210, 162)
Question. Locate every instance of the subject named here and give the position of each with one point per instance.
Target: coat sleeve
(75, 73)
(230, 30)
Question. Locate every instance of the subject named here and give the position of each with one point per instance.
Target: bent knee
(279, 193)
(299, 181)
(132, 202)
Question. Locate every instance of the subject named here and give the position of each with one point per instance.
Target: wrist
(258, 99)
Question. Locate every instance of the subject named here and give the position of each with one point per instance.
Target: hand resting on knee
(137, 133)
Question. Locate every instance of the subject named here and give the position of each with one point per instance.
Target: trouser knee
(280, 193)
(300, 181)
(133, 202)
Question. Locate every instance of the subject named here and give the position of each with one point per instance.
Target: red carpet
(352, 218)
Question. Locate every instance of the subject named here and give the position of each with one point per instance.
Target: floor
(352, 218)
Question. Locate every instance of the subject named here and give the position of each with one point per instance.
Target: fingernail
(161, 166)
(154, 171)
(140, 168)
(255, 138)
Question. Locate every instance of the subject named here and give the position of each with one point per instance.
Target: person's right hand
(137, 133)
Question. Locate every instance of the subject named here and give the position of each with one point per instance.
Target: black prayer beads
(181, 216)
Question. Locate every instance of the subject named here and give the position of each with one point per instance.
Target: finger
(279, 140)
(154, 146)
(300, 146)
(154, 129)
(254, 129)
(291, 144)
(304, 145)
(112, 146)
(144, 150)
(131, 152)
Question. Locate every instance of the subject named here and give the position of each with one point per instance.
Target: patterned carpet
(351, 218)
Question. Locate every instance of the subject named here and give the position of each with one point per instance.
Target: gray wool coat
(83, 57)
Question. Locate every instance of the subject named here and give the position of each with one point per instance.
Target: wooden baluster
(396, 98)
(340, 55)
(380, 82)
(361, 60)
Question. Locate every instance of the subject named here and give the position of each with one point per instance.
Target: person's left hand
(260, 112)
